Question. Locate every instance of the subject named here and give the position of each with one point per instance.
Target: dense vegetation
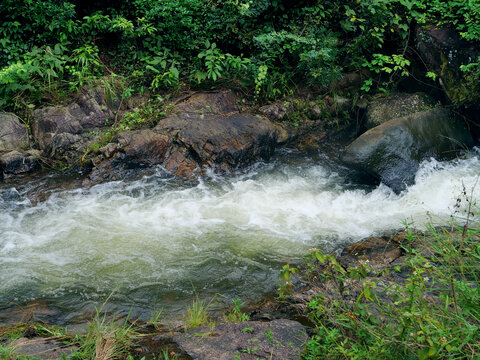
(266, 47)
(429, 311)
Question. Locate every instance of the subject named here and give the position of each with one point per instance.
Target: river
(152, 243)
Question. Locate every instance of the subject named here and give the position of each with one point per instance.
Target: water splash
(152, 240)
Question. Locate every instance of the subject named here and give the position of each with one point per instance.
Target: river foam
(153, 241)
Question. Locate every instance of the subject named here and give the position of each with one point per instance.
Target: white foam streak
(135, 234)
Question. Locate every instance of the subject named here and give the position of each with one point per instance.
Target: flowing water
(149, 243)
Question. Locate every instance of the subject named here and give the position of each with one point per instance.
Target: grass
(197, 315)
(105, 339)
(426, 308)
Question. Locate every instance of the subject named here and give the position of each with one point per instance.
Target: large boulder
(218, 136)
(393, 150)
(389, 107)
(63, 129)
(13, 134)
(204, 131)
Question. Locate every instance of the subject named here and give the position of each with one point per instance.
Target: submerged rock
(13, 134)
(278, 339)
(393, 150)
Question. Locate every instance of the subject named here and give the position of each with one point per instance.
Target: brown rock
(379, 252)
(278, 339)
(16, 163)
(41, 348)
(13, 134)
(143, 147)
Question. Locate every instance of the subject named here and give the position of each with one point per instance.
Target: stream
(153, 243)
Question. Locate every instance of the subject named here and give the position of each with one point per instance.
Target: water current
(150, 243)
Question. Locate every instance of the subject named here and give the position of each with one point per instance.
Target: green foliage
(265, 46)
(236, 315)
(432, 313)
(197, 314)
(105, 339)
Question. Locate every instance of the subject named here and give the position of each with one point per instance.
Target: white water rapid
(152, 241)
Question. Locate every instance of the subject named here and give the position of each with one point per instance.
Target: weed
(236, 315)
(197, 314)
(430, 313)
(105, 339)
(248, 330)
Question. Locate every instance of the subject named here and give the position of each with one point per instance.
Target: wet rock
(61, 127)
(10, 195)
(180, 165)
(444, 50)
(392, 151)
(379, 252)
(135, 149)
(41, 348)
(13, 134)
(143, 148)
(221, 140)
(277, 339)
(386, 108)
(16, 163)
(277, 111)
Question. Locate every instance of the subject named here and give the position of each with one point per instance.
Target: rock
(222, 102)
(277, 111)
(216, 141)
(142, 148)
(380, 252)
(393, 150)
(444, 50)
(386, 108)
(349, 82)
(221, 139)
(135, 149)
(87, 112)
(13, 134)
(41, 348)
(16, 163)
(278, 339)
(108, 150)
(10, 195)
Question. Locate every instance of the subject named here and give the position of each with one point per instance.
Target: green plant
(430, 314)
(168, 356)
(6, 352)
(197, 314)
(235, 315)
(286, 285)
(105, 339)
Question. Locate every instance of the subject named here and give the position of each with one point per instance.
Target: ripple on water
(153, 240)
